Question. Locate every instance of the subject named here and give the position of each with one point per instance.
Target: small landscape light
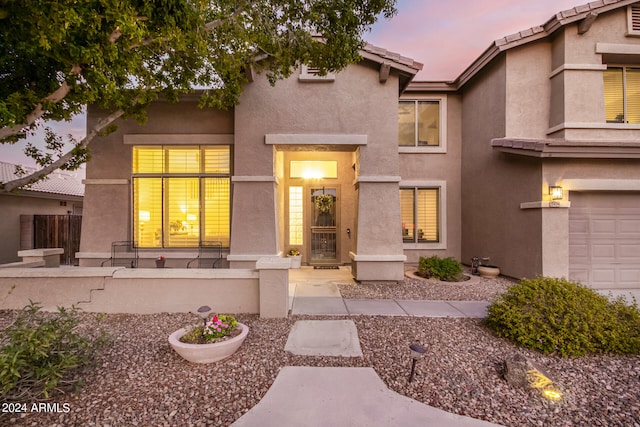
(417, 352)
(204, 313)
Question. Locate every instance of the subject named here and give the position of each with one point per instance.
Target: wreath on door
(324, 203)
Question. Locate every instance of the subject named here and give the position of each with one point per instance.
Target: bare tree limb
(55, 97)
(84, 143)
(209, 26)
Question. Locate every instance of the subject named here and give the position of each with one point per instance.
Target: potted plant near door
(296, 259)
(487, 270)
(160, 262)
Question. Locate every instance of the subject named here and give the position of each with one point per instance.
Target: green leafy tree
(56, 56)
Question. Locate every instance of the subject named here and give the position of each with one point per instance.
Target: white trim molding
(376, 179)
(266, 178)
(105, 181)
(314, 139)
(543, 204)
(377, 258)
(601, 184)
(618, 48)
(178, 139)
(577, 67)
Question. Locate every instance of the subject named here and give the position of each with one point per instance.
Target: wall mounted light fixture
(555, 191)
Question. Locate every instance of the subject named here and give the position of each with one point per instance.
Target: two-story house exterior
(369, 168)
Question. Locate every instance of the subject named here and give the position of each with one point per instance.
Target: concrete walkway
(315, 292)
(337, 396)
(342, 397)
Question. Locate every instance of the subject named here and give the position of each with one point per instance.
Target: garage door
(604, 239)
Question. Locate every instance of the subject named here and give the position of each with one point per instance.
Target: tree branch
(55, 97)
(84, 143)
(209, 26)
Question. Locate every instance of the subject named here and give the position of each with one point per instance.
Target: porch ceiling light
(555, 191)
(312, 174)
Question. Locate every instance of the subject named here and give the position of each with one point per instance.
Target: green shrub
(559, 316)
(446, 269)
(39, 351)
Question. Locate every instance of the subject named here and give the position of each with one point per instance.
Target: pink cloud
(448, 36)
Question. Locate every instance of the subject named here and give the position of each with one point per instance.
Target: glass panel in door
(324, 248)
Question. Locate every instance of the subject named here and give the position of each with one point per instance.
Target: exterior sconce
(555, 191)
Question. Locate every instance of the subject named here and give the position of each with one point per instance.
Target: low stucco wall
(144, 291)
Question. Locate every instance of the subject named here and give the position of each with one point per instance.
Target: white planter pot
(207, 353)
(296, 261)
(488, 271)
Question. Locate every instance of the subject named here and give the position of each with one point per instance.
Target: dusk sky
(446, 36)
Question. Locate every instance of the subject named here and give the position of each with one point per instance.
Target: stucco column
(274, 286)
(379, 253)
(555, 241)
(254, 220)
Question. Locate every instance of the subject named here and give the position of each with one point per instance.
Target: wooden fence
(58, 231)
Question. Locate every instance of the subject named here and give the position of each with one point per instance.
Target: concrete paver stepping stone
(324, 338)
(329, 306)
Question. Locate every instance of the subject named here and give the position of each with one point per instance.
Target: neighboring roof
(68, 183)
(587, 13)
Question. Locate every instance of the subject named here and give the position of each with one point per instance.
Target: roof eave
(560, 148)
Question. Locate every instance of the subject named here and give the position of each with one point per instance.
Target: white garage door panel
(604, 239)
(630, 227)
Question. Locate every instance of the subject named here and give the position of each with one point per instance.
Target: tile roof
(393, 57)
(556, 22)
(561, 18)
(68, 183)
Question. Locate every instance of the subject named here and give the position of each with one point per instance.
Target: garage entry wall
(604, 239)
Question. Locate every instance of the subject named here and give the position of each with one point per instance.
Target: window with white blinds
(181, 195)
(420, 212)
(622, 94)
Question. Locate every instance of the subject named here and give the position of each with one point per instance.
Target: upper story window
(181, 195)
(622, 94)
(421, 125)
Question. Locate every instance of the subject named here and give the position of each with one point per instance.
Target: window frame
(625, 98)
(441, 186)
(165, 176)
(442, 147)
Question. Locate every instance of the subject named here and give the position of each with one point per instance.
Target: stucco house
(46, 214)
(372, 169)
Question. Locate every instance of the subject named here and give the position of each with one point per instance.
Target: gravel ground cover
(414, 287)
(140, 381)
